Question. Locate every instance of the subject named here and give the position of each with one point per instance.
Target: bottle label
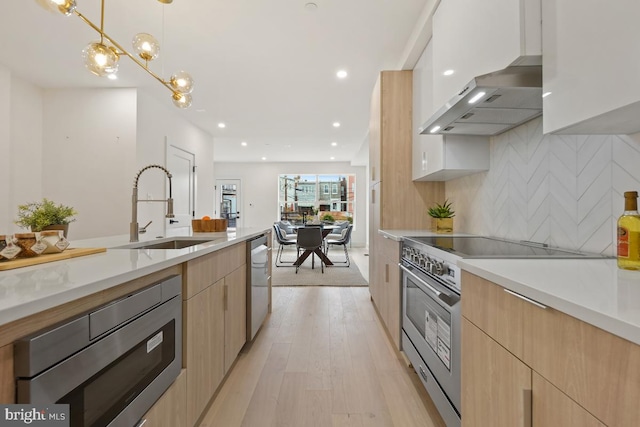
(623, 242)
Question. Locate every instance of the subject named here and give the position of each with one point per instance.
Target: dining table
(326, 230)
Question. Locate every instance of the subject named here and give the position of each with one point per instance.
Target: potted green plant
(442, 217)
(328, 218)
(45, 215)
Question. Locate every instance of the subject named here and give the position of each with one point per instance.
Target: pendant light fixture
(102, 57)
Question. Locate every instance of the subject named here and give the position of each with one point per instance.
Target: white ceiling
(266, 68)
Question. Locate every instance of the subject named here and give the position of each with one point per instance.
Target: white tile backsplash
(563, 190)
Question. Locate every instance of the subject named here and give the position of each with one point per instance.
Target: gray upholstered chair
(309, 239)
(343, 241)
(283, 240)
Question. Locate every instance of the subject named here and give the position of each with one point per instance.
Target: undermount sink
(165, 244)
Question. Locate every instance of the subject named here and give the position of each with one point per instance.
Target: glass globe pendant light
(146, 46)
(181, 100)
(66, 7)
(100, 59)
(182, 82)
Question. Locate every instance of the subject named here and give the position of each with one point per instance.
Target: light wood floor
(321, 359)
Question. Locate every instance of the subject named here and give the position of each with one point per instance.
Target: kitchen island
(213, 270)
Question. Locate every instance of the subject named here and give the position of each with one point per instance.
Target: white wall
(20, 146)
(564, 190)
(83, 148)
(89, 157)
(259, 182)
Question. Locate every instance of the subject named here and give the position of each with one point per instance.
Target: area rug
(333, 276)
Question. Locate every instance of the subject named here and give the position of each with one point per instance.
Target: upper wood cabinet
(440, 157)
(476, 37)
(395, 201)
(591, 68)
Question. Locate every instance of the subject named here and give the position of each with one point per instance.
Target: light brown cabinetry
(7, 381)
(395, 200)
(170, 409)
(214, 313)
(579, 375)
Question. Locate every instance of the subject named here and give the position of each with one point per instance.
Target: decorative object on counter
(208, 225)
(628, 244)
(26, 241)
(102, 59)
(45, 215)
(10, 249)
(3, 244)
(442, 217)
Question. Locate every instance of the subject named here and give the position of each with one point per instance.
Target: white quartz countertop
(593, 290)
(29, 290)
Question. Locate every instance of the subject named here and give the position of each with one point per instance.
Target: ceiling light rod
(102, 60)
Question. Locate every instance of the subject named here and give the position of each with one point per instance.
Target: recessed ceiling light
(342, 74)
(448, 72)
(336, 124)
(264, 158)
(243, 143)
(311, 6)
(334, 144)
(332, 158)
(544, 95)
(222, 125)
(112, 76)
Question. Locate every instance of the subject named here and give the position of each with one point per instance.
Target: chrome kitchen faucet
(134, 228)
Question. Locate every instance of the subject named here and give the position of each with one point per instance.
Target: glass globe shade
(146, 46)
(66, 7)
(100, 59)
(182, 82)
(182, 100)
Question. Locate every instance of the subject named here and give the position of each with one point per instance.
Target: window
(302, 196)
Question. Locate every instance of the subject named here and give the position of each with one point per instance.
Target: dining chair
(283, 240)
(343, 241)
(310, 239)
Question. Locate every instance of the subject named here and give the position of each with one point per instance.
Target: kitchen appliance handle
(449, 299)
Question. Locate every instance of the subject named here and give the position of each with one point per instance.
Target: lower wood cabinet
(214, 328)
(7, 380)
(170, 409)
(235, 315)
(385, 287)
(203, 352)
(528, 365)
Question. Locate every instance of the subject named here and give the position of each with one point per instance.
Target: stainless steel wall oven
(109, 365)
(431, 322)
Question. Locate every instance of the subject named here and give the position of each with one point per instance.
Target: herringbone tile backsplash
(564, 190)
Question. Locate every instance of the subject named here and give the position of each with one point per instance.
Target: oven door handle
(447, 298)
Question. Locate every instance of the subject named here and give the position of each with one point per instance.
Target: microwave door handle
(449, 299)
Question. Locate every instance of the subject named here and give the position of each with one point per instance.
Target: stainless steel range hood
(491, 104)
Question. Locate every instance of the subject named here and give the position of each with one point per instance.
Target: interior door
(228, 201)
(181, 164)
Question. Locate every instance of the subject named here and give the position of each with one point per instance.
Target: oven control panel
(429, 261)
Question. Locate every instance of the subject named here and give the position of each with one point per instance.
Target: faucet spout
(134, 227)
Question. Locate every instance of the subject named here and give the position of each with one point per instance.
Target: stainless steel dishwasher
(257, 284)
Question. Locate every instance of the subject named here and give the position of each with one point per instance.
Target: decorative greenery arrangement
(328, 218)
(442, 210)
(38, 215)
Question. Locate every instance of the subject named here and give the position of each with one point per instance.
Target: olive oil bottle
(629, 233)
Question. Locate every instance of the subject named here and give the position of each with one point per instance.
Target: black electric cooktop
(490, 247)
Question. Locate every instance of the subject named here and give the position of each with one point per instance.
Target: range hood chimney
(491, 104)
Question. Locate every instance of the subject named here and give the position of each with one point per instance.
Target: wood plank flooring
(321, 359)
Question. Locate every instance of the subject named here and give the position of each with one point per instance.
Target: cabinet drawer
(597, 369)
(496, 312)
(204, 271)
